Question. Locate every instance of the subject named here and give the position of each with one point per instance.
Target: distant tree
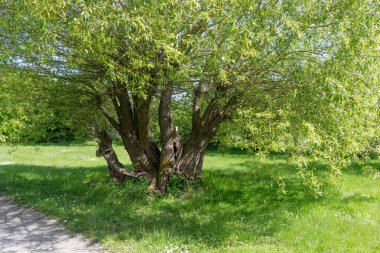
(26, 111)
(295, 75)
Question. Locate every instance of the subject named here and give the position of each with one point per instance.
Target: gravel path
(24, 230)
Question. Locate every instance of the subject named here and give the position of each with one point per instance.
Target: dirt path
(25, 230)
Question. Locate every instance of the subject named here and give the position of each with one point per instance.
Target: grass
(238, 207)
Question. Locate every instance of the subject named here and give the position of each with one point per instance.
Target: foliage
(27, 115)
(294, 76)
(237, 209)
(342, 127)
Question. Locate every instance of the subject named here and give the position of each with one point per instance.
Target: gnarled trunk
(191, 161)
(157, 165)
(172, 159)
(116, 170)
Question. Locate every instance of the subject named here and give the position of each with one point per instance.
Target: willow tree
(228, 57)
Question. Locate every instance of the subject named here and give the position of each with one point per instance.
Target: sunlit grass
(237, 208)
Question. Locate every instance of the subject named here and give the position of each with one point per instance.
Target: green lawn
(237, 208)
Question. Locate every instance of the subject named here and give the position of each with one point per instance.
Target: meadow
(243, 204)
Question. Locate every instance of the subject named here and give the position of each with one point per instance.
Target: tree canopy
(295, 76)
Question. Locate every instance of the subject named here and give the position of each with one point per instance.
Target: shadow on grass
(231, 205)
(357, 169)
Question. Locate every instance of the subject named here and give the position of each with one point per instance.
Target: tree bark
(116, 170)
(132, 123)
(133, 127)
(191, 161)
(170, 140)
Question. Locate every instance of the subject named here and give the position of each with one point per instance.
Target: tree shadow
(359, 169)
(232, 205)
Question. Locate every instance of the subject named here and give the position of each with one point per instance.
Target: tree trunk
(191, 162)
(187, 163)
(144, 159)
(116, 170)
(171, 143)
(132, 123)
